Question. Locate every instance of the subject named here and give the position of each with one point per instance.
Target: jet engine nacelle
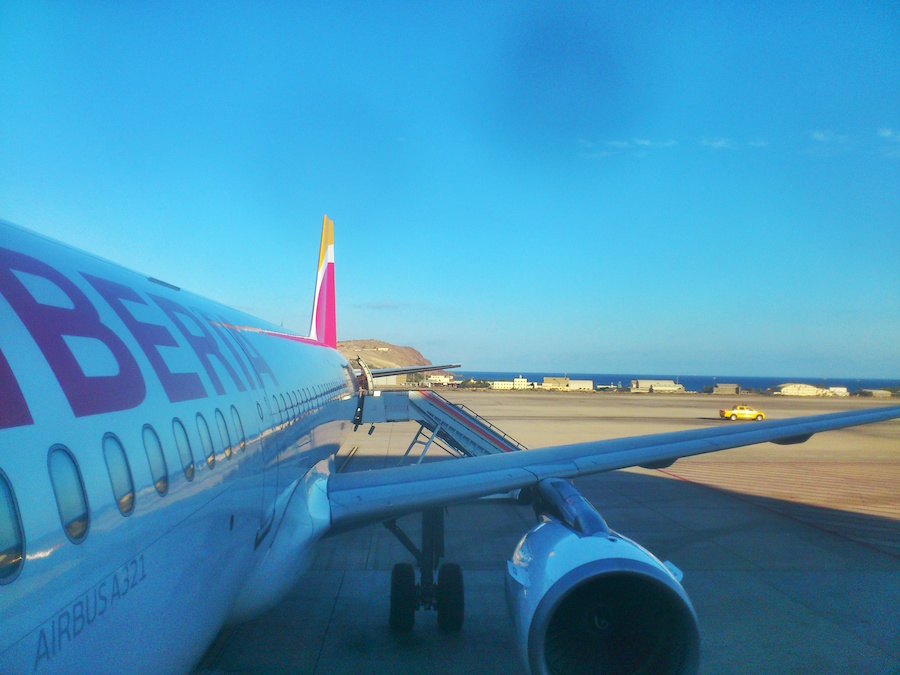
(597, 603)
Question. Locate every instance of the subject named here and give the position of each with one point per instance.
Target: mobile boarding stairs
(459, 430)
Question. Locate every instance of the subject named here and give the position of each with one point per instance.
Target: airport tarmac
(790, 554)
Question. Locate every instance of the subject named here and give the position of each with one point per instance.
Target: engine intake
(597, 603)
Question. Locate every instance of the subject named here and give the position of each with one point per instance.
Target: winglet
(323, 327)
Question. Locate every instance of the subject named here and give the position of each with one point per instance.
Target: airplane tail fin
(323, 327)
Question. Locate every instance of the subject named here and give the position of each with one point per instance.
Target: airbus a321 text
(166, 469)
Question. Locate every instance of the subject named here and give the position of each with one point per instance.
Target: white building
(581, 385)
(798, 389)
(443, 380)
(656, 387)
(520, 382)
(502, 384)
(556, 383)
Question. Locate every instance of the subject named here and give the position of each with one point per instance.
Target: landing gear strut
(446, 596)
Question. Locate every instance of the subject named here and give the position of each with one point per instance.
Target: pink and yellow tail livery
(323, 328)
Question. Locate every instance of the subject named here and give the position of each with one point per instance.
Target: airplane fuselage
(135, 564)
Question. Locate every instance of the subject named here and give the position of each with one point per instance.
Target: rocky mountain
(379, 354)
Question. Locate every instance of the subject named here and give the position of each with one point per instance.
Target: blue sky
(606, 187)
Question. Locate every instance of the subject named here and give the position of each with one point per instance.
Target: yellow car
(742, 412)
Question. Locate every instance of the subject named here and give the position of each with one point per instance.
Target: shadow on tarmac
(778, 586)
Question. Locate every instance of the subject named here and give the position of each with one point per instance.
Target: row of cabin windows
(68, 485)
(71, 496)
(297, 403)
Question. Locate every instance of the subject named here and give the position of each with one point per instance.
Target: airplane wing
(405, 370)
(366, 375)
(365, 497)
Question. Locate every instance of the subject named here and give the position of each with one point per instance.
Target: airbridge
(455, 428)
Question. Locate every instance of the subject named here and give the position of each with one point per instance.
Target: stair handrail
(497, 431)
(494, 428)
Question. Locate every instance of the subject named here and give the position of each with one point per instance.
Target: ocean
(690, 382)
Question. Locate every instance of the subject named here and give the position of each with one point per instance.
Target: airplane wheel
(733, 418)
(403, 597)
(450, 603)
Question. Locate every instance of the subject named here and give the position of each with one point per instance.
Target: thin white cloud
(616, 147)
(826, 143)
(759, 143)
(892, 149)
(647, 143)
(717, 143)
(828, 137)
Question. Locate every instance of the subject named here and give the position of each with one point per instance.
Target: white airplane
(166, 468)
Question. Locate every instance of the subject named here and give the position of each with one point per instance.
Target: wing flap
(405, 370)
(366, 497)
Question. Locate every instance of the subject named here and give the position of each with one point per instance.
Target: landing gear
(446, 596)
(404, 597)
(449, 598)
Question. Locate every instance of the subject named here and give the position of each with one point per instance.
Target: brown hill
(379, 354)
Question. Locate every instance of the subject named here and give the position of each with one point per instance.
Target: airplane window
(157, 460)
(206, 440)
(276, 406)
(239, 429)
(184, 448)
(223, 432)
(12, 542)
(71, 500)
(119, 474)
